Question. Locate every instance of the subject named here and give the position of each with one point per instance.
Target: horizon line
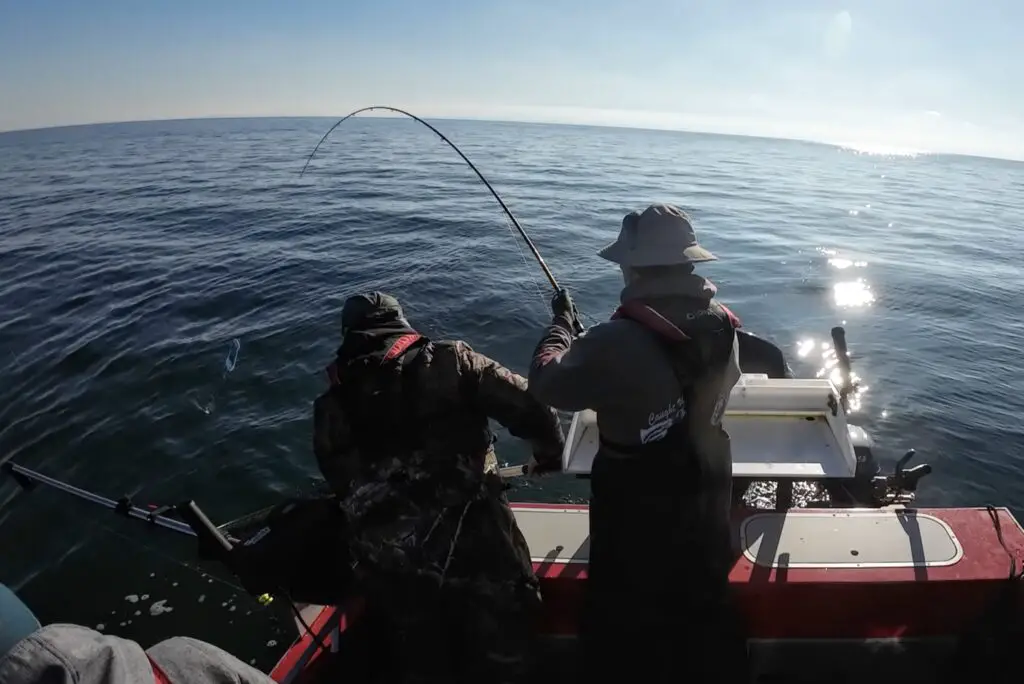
(391, 115)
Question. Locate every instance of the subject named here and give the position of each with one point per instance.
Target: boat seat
(780, 428)
(849, 538)
(837, 538)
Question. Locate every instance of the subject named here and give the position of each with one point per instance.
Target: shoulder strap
(733, 318)
(397, 349)
(394, 403)
(402, 345)
(650, 319)
(654, 321)
(411, 364)
(687, 354)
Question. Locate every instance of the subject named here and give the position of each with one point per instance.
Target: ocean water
(133, 256)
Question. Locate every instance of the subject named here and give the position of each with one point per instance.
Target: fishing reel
(899, 488)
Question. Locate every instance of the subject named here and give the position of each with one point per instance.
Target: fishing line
(172, 559)
(230, 361)
(302, 621)
(494, 193)
(522, 255)
(510, 220)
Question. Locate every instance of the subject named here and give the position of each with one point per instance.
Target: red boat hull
(857, 593)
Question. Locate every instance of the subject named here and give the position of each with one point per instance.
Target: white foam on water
(159, 607)
(100, 627)
(144, 597)
(202, 597)
(132, 598)
(271, 643)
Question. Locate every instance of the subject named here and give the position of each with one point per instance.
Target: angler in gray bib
(658, 375)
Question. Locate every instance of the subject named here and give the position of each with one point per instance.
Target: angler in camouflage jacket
(402, 436)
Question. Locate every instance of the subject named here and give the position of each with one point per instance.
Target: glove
(545, 464)
(562, 306)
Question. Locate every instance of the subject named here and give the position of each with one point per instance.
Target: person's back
(403, 437)
(658, 376)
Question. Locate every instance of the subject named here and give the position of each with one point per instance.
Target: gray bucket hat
(662, 235)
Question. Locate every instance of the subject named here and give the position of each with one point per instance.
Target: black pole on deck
(29, 479)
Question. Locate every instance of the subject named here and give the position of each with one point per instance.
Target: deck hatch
(849, 539)
(555, 535)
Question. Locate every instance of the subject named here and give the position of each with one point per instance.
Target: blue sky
(936, 75)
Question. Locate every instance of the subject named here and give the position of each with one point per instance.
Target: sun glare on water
(854, 292)
(823, 352)
(846, 263)
(875, 150)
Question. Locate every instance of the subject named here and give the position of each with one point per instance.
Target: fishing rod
(28, 479)
(508, 212)
(195, 524)
(221, 546)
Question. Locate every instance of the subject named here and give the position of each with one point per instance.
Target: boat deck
(361, 659)
(842, 595)
(831, 573)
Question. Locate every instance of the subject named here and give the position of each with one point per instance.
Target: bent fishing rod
(508, 212)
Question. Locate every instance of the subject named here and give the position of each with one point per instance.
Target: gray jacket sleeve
(189, 660)
(572, 374)
(79, 655)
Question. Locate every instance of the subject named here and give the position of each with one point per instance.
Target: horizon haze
(891, 76)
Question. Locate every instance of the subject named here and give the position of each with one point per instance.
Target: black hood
(371, 310)
(370, 323)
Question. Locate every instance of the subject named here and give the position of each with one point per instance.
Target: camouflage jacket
(411, 480)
